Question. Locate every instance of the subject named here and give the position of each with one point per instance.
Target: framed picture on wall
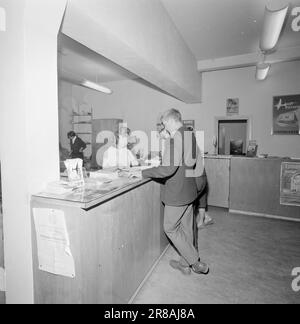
(232, 107)
(189, 124)
(286, 115)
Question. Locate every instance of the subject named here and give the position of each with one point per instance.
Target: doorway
(233, 136)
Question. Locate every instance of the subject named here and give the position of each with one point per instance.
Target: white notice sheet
(53, 242)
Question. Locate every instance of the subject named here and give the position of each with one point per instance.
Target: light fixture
(96, 86)
(275, 14)
(262, 70)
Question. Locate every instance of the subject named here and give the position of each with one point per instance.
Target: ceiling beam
(155, 51)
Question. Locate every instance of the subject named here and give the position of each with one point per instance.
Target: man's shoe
(200, 268)
(178, 266)
(207, 221)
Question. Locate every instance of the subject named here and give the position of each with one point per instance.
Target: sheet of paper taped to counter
(53, 243)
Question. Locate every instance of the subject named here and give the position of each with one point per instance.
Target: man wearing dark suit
(77, 146)
(179, 192)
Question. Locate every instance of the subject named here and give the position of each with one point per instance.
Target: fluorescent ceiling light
(96, 86)
(275, 14)
(262, 71)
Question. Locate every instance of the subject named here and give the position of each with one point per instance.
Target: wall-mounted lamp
(275, 14)
(262, 70)
(96, 86)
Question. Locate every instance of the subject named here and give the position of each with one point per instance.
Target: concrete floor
(251, 261)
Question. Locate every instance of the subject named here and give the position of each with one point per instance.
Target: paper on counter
(75, 171)
(105, 174)
(54, 253)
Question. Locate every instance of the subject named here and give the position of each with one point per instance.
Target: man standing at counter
(179, 192)
(77, 146)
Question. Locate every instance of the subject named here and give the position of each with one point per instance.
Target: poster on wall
(232, 107)
(290, 184)
(53, 242)
(286, 115)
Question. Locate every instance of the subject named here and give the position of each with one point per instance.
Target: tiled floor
(251, 261)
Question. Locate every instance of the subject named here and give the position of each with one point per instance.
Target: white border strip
(148, 275)
(240, 212)
(2, 280)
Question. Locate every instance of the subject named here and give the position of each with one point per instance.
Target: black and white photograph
(149, 155)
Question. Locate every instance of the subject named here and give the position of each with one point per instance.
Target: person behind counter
(119, 155)
(77, 146)
(179, 193)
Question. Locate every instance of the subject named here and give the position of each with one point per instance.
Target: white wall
(29, 127)
(66, 105)
(140, 105)
(136, 104)
(256, 100)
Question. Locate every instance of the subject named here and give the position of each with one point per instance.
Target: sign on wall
(286, 115)
(232, 107)
(189, 124)
(290, 184)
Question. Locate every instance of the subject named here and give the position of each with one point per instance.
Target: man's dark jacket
(179, 161)
(75, 148)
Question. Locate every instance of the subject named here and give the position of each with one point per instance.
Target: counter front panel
(255, 187)
(114, 244)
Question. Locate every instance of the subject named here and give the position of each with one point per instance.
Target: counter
(255, 187)
(116, 236)
(2, 295)
(248, 185)
(218, 177)
(93, 193)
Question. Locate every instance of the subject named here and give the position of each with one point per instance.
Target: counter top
(93, 193)
(212, 156)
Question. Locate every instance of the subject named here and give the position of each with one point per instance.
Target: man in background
(179, 192)
(77, 146)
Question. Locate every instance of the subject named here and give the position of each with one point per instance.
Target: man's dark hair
(71, 134)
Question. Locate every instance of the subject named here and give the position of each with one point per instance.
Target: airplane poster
(286, 115)
(290, 184)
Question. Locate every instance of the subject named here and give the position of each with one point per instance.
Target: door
(218, 177)
(233, 137)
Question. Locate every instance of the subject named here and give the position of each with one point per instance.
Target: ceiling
(78, 63)
(223, 28)
(212, 29)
